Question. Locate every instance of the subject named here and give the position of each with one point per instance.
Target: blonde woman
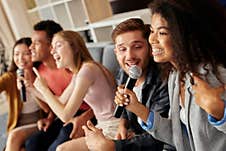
(91, 82)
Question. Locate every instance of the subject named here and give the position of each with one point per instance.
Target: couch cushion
(96, 53)
(109, 59)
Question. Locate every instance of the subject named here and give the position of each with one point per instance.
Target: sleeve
(149, 124)
(157, 124)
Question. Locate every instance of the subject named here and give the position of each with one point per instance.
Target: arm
(153, 122)
(66, 111)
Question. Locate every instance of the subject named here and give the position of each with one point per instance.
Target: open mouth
(156, 52)
(129, 64)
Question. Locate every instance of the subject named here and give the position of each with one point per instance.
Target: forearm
(51, 116)
(56, 106)
(142, 112)
(43, 106)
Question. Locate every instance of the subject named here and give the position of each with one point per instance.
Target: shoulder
(87, 70)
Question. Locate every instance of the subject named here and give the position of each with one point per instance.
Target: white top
(30, 105)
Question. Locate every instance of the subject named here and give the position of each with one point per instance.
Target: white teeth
(156, 50)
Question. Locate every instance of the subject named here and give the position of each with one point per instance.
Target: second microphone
(20, 72)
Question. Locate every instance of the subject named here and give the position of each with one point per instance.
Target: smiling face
(22, 56)
(160, 40)
(131, 48)
(40, 47)
(62, 53)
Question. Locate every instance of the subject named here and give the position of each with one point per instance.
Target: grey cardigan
(197, 134)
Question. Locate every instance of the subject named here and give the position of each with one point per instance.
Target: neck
(141, 79)
(50, 63)
(29, 75)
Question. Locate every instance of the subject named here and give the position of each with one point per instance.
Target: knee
(14, 136)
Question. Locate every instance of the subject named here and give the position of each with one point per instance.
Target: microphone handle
(23, 92)
(129, 85)
(118, 111)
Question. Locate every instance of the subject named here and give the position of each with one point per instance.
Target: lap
(78, 144)
(144, 142)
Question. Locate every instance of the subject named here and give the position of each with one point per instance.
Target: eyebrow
(161, 27)
(134, 42)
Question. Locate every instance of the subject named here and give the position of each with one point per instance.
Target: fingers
(121, 98)
(73, 132)
(118, 136)
(91, 126)
(86, 130)
(36, 72)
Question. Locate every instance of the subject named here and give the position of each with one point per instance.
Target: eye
(16, 54)
(138, 46)
(58, 45)
(27, 53)
(163, 33)
(122, 49)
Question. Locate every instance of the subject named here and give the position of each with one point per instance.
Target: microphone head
(135, 72)
(20, 72)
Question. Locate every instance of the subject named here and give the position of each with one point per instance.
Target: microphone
(20, 72)
(134, 73)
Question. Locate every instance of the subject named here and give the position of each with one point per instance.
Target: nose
(52, 50)
(20, 57)
(153, 38)
(130, 54)
(31, 46)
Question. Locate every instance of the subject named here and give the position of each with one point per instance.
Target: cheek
(15, 59)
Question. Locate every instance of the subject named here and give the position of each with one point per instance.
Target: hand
(43, 124)
(40, 83)
(77, 127)
(126, 97)
(121, 133)
(18, 82)
(26, 80)
(95, 139)
(209, 98)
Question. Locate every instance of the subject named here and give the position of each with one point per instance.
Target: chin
(157, 59)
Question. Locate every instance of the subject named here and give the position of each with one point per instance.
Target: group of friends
(178, 102)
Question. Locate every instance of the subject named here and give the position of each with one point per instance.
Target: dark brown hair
(131, 25)
(196, 38)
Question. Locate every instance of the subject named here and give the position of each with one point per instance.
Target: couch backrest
(105, 55)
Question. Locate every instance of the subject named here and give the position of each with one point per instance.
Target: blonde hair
(81, 53)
